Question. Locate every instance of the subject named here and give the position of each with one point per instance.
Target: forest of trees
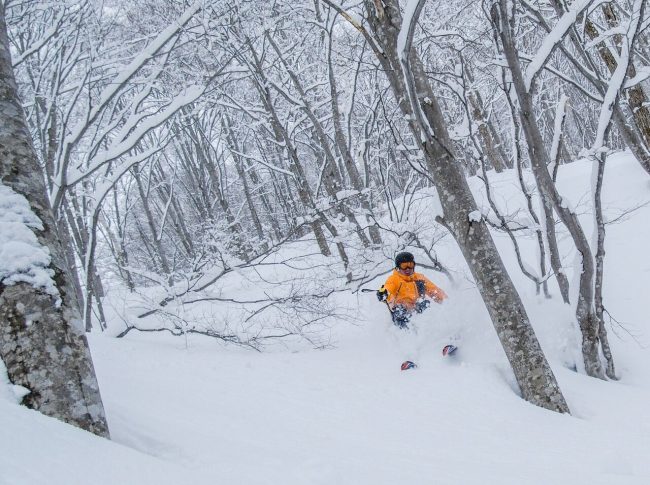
(176, 143)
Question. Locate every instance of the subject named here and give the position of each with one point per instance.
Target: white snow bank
(36, 450)
(189, 410)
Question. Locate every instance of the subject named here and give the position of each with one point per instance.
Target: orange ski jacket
(403, 290)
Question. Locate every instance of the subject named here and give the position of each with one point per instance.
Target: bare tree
(391, 42)
(505, 23)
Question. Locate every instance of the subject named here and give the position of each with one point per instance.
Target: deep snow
(191, 410)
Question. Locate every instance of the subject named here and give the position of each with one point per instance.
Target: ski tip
(408, 365)
(449, 349)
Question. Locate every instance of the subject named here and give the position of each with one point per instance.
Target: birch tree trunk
(42, 342)
(418, 103)
(636, 96)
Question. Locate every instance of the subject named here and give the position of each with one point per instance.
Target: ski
(407, 364)
(449, 349)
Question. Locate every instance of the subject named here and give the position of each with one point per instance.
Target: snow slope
(194, 411)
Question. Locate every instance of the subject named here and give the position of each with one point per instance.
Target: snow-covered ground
(191, 410)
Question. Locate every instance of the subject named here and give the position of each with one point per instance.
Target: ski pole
(369, 290)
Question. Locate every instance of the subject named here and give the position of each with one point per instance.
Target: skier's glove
(421, 305)
(382, 295)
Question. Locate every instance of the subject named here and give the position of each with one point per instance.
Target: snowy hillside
(193, 410)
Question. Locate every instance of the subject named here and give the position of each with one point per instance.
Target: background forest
(238, 171)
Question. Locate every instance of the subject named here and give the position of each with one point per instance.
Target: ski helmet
(404, 257)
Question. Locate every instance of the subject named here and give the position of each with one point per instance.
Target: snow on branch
(560, 114)
(357, 22)
(475, 216)
(22, 257)
(642, 74)
(270, 166)
(129, 71)
(410, 18)
(45, 39)
(554, 37)
(109, 93)
(618, 76)
(134, 130)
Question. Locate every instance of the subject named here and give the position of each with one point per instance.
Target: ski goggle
(407, 265)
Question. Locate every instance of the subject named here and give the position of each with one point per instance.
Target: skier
(406, 291)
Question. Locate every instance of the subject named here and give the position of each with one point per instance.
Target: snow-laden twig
(270, 166)
(109, 93)
(618, 76)
(412, 12)
(554, 37)
(357, 22)
(121, 146)
(45, 40)
(642, 74)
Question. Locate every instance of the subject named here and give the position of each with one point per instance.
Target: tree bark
(599, 221)
(489, 136)
(42, 343)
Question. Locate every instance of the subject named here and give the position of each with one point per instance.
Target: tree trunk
(599, 221)
(42, 342)
(492, 146)
(282, 139)
(534, 376)
(235, 151)
(540, 161)
(343, 150)
(554, 252)
(633, 138)
(153, 230)
(120, 252)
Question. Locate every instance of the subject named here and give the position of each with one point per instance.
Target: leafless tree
(391, 43)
